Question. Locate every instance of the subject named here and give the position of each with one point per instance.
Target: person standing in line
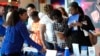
(76, 24)
(16, 34)
(30, 8)
(35, 28)
(59, 28)
(46, 28)
(64, 13)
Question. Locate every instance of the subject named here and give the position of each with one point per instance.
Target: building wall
(23, 3)
(38, 3)
(3, 0)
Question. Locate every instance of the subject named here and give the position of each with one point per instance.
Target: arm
(97, 33)
(42, 31)
(89, 25)
(25, 35)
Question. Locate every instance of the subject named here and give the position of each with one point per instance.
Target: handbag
(93, 38)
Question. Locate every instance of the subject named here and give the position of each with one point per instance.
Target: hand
(32, 32)
(75, 24)
(72, 25)
(97, 33)
(78, 24)
(84, 22)
(43, 50)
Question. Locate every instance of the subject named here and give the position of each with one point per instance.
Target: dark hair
(74, 4)
(10, 8)
(21, 11)
(34, 14)
(30, 5)
(13, 18)
(80, 10)
(48, 8)
(65, 13)
(56, 14)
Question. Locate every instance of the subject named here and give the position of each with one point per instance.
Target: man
(30, 9)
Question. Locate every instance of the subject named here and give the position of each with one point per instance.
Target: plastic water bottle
(66, 53)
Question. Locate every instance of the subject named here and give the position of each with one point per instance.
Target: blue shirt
(14, 39)
(1, 20)
(2, 29)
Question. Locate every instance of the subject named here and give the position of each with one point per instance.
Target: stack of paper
(51, 52)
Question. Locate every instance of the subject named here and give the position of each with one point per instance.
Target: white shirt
(30, 21)
(49, 28)
(41, 14)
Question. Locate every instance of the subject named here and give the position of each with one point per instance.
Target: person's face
(35, 18)
(56, 18)
(73, 10)
(1, 10)
(30, 10)
(23, 16)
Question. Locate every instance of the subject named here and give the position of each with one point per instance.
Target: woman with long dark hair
(16, 34)
(59, 28)
(77, 23)
(63, 12)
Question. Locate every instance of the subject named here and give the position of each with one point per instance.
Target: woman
(16, 34)
(30, 8)
(77, 23)
(59, 27)
(64, 13)
(35, 28)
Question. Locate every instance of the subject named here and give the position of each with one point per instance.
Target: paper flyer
(51, 52)
(76, 49)
(91, 51)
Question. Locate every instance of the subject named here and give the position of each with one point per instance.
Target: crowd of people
(52, 29)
